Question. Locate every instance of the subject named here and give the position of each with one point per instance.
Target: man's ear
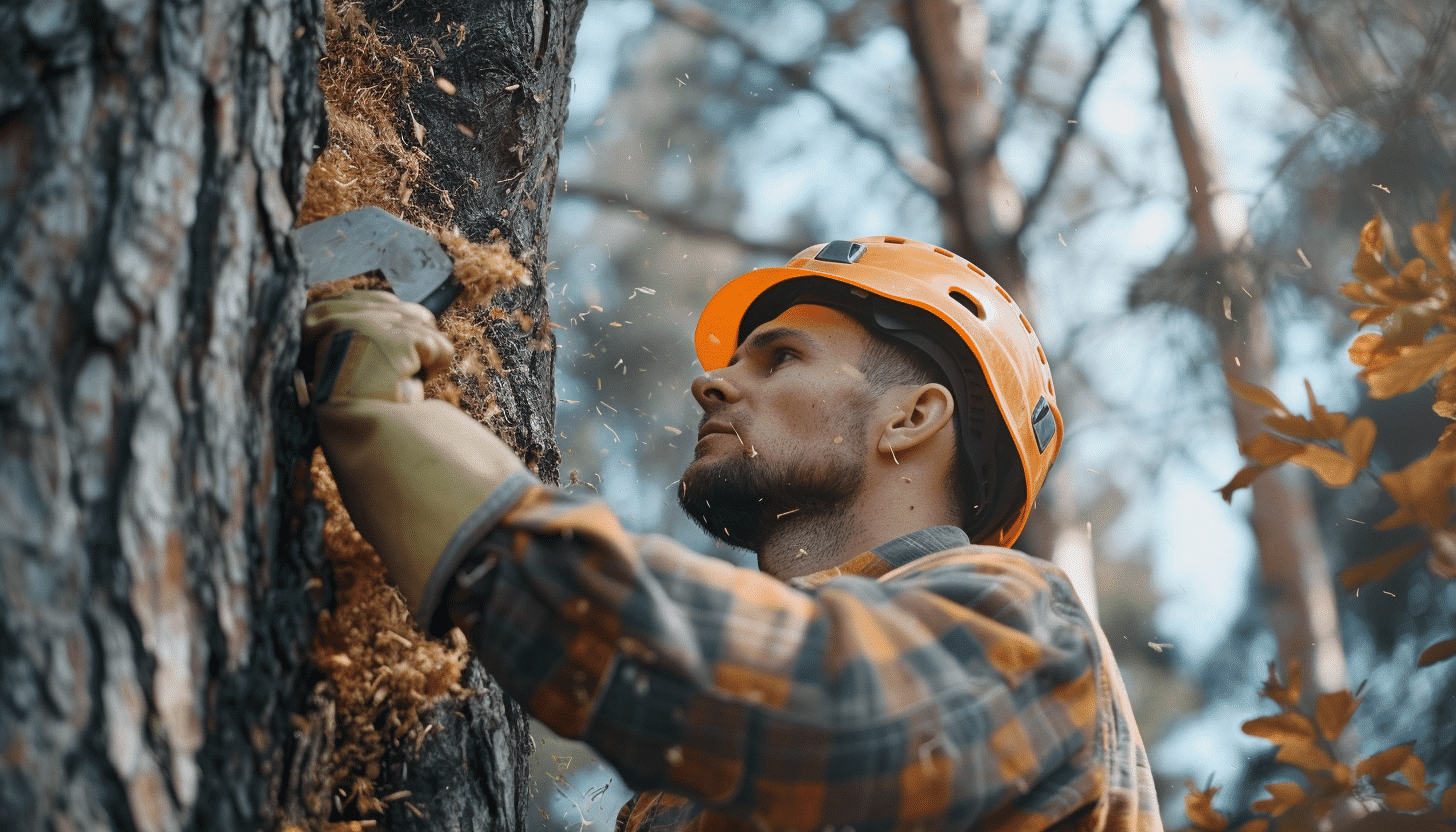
(917, 415)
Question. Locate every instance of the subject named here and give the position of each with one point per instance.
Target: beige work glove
(410, 469)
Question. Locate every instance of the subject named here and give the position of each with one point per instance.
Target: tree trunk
(159, 585)
(980, 208)
(162, 564)
(487, 111)
(1298, 593)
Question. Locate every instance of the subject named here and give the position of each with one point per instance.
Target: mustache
(720, 423)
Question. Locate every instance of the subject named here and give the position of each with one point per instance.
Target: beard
(742, 498)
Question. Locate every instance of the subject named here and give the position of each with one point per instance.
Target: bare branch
(1069, 129)
(677, 219)
(704, 23)
(1189, 133)
(1021, 77)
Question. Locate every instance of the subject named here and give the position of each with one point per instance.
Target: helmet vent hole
(894, 239)
(943, 252)
(965, 300)
(1003, 294)
(1040, 354)
(1026, 323)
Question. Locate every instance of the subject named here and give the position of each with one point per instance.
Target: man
(874, 413)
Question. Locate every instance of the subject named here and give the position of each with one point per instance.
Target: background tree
(164, 566)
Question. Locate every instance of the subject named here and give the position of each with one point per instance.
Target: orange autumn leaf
(1422, 490)
(1332, 712)
(1369, 315)
(1268, 449)
(1328, 424)
(1254, 393)
(1385, 763)
(1358, 439)
(1414, 771)
(1433, 239)
(1414, 367)
(1332, 467)
(1374, 570)
(1439, 651)
(1445, 404)
(1294, 425)
(1246, 475)
(1198, 805)
(1286, 695)
(1281, 728)
(1371, 351)
(1284, 795)
(1403, 798)
(1306, 755)
(1369, 264)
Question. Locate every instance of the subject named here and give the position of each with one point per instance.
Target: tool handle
(444, 295)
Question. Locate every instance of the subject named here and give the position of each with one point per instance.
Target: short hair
(888, 363)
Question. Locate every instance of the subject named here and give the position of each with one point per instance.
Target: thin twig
(705, 24)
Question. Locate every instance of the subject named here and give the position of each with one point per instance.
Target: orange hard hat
(947, 308)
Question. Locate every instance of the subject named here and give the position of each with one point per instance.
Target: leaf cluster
(1413, 303)
(1385, 791)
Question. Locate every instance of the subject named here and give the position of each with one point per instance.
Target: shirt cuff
(467, 537)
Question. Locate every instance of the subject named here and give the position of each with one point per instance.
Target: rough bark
(159, 585)
(1297, 583)
(472, 147)
(493, 141)
(161, 568)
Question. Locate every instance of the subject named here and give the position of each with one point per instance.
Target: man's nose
(714, 391)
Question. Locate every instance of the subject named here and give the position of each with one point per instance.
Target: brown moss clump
(380, 671)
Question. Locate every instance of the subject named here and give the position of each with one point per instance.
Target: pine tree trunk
(160, 562)
(159, 588)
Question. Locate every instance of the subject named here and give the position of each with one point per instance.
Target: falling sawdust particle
(379, 670)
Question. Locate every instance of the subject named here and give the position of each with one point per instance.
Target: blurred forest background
(1173, 191)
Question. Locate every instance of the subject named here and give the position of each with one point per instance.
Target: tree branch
(677, 220)
(1035, 202)
(704, 23)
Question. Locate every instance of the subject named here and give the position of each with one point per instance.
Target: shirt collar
(918, 544)
(890, 555)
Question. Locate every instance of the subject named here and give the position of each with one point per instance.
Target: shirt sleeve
(959, 690)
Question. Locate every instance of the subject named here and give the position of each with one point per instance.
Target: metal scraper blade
(417, 267)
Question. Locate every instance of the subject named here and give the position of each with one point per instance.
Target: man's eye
(779, 358)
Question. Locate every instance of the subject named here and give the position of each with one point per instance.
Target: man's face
(784, 427)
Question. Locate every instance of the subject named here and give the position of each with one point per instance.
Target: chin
(739, 497)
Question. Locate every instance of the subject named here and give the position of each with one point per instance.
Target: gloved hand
(410, 470)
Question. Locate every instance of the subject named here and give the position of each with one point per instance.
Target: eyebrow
(760, 340)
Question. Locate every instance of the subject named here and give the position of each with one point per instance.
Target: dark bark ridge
(159, 586)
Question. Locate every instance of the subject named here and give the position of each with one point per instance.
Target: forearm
(410, 475)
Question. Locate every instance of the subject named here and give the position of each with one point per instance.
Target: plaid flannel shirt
(929, 684)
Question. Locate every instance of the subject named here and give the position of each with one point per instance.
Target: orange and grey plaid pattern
(965, 689)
